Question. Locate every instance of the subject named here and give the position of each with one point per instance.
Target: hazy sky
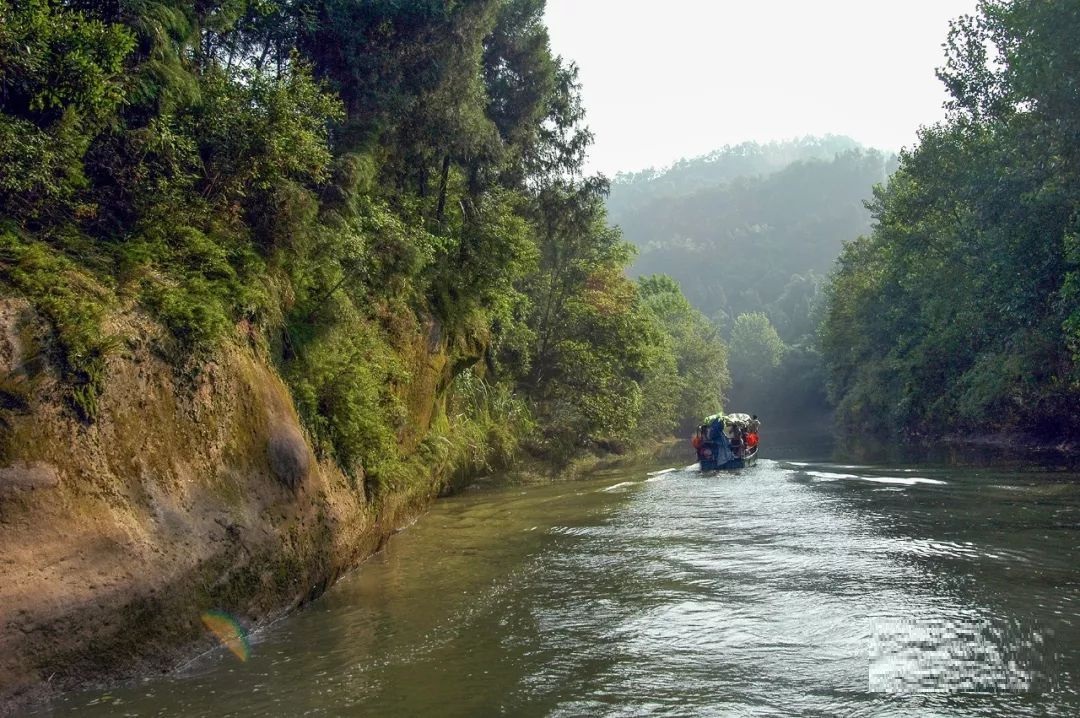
(677, 78)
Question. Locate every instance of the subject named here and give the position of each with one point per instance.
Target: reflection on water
(962, 651)
(792, 588)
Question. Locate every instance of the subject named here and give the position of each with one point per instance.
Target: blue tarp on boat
(726, 441)
(715, 450)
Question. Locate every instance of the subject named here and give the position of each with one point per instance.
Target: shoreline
(187, 494)
(157, 656)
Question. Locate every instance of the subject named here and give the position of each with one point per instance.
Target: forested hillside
(327, 180)
(750, 242)
(961, 311)
(750, 232)
(631, 190)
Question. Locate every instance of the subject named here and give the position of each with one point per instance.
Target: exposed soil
(187, 494)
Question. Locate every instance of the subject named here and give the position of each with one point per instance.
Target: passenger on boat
(752, 432)
(738, 444)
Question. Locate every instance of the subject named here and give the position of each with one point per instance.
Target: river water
(796, 587)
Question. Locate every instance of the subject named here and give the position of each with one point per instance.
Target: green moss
(75, 304)
(343, 380)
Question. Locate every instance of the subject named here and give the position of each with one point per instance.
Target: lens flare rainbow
(229, 631)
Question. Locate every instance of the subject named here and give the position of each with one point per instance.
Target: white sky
(679, 78)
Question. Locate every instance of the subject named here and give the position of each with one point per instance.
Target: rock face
(29, 476)
(288, 453)
(182, 497)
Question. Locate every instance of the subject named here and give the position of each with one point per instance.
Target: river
(795, 587)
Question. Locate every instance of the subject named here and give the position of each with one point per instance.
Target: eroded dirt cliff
(191, 491)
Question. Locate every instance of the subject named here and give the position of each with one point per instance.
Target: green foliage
(755, 228)
(75, 305)
(588, 390)
(959, 309)
(481, 430)
(746, 244)
(197, 283)
(342, 379)
(755, 353)
(59, 84)
(520, 74)
(594, 347)
(260, 130)
(488, 251)
(755, 346)
(340, 184)
(1070, 295)
(701, 376)
(55, 60)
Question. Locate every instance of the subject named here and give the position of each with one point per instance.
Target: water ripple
(791, 588)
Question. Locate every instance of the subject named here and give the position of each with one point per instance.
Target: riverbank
(189, 492)
(795, 587)
(983, 449)
(1012, 442)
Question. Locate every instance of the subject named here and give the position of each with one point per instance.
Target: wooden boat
(727, 442)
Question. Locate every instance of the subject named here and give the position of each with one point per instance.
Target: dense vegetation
(336, 182)
(631, 191)
(741, 243)
(961, 310)
(750, 232)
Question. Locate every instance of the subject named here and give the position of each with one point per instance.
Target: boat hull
(738, 462)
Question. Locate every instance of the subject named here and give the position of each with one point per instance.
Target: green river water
(796, 587)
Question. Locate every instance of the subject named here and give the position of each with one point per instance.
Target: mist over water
(792, 588)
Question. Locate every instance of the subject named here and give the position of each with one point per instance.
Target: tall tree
(702, 377)
(961, 306)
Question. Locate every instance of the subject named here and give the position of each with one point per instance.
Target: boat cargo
(727, 441)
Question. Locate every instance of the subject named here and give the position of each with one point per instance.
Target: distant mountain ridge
(751, 227)
(746, 159)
